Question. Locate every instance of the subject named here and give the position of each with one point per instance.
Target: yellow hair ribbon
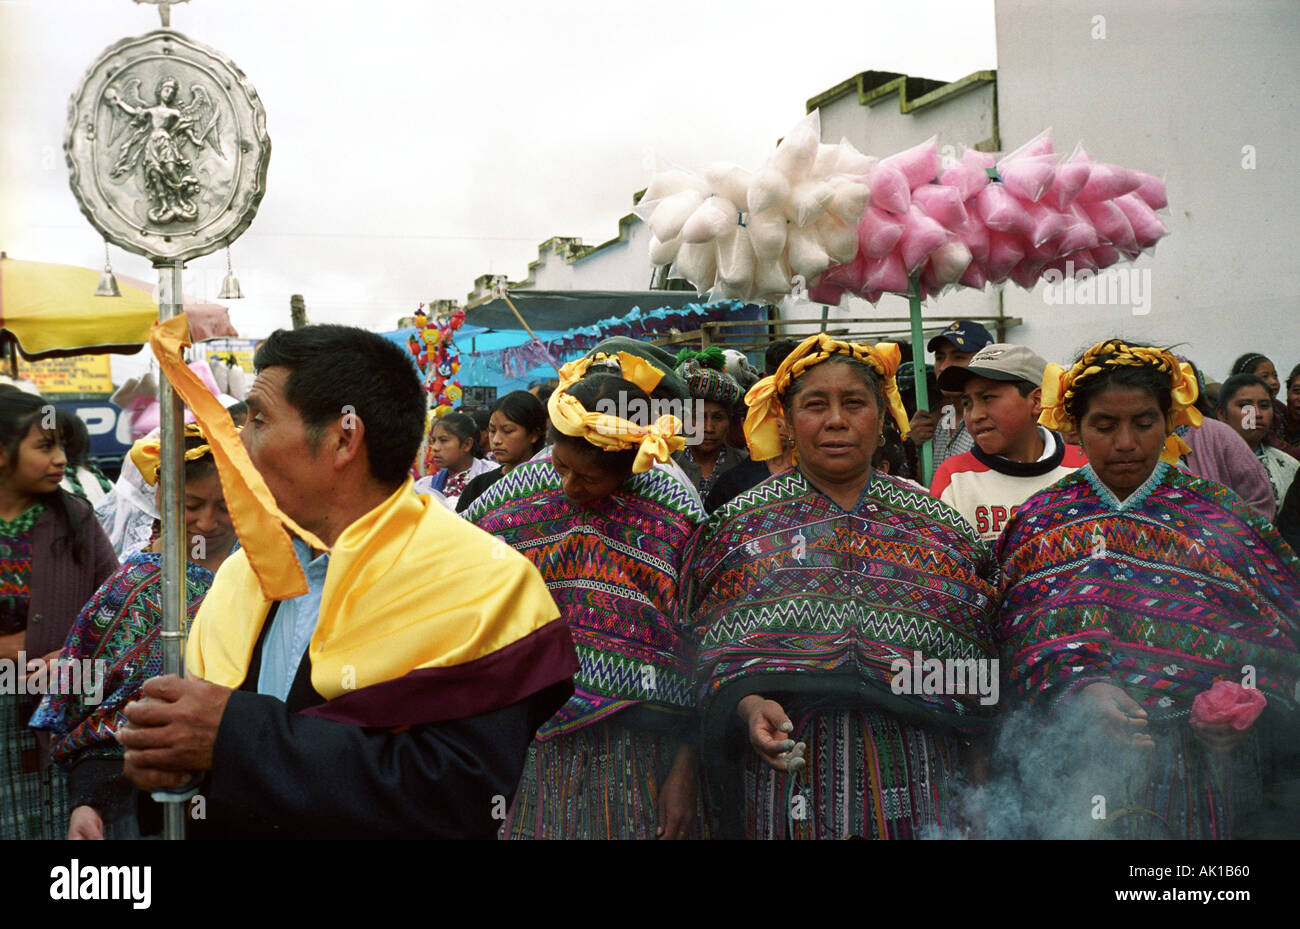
(609, 433)
(146, 453)
(1058, 388)
(764, 398)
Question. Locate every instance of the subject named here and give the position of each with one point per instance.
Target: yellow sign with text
(78, 374)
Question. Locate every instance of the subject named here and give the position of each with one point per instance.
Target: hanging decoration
(436, 355)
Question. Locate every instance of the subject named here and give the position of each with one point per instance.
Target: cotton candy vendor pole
(918, 376)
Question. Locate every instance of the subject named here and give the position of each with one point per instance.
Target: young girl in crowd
(53, 557)
(516, 432)
(1246, 405)
(454, 446)
(1264, 369)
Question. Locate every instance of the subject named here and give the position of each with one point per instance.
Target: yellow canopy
(50, 310)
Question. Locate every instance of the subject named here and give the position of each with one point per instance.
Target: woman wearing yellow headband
(119, 626)
(813, 597)
(1131, 587)
(608, 531)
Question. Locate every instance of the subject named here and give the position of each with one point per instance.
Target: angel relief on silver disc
(167, 146)
(156, 138)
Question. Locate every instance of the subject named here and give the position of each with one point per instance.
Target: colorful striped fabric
(119, 626)
(785, 582)
(869, 775)
(1180, 585)
(599, 782)
(16, 568)
(796, 599)
(614, 571)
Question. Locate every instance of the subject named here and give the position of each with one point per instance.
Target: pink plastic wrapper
(1028, 178)
(1152, 190)
(1083, 260)
(1001, 211)
(975, 276)
(930, 283)
(1005, 252)
(825, 293)
(873, 296)
(1047, 224)
(1106, 182)
(1027, 272)
(1071, 177)
(1105, 256)
(887, 274)
(1227, 702)
(889, 189)
(975, 234)
(921, 236)
(1080, 233)
(919, 164)
(1112, 225)
(941, 203)
(980, 160)
(968, 180)
(1040, 144)
(1147, 227)
(851, 276)
(878, 233)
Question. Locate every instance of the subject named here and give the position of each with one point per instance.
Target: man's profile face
(278, 443)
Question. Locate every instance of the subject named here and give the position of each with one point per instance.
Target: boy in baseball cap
(956, 345)
(1014, 457)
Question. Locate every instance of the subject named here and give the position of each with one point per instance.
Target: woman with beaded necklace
(1130, 586)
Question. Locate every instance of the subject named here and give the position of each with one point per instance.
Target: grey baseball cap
(997, 362)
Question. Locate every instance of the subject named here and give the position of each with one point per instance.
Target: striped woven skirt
(1179, 789)
(867, 775)
(600, 782)
(33, 799)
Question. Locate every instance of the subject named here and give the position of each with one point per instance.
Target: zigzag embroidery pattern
(1129, 593)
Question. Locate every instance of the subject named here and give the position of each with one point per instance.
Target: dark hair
(1140, 377)
(1295, 372)
(1247, 363)
(544, 390)
(331, 367)
(480, 417)
(74, 435)
(521, 407)
(1233, 386)
(1025, 388)
(19, 412)
(860, 368)
(463, 427)
(237, 410)
(777, 353)
(592, 392)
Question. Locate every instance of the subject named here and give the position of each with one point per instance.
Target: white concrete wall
(1174, 88)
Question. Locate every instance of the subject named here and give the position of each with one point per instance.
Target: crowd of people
(671, 596)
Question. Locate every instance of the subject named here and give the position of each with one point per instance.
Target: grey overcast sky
(417, 145)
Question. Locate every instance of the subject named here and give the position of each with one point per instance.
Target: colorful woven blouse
(791, 593)
(1162, 594)
(614, 570)
(119, 626)
(16, 568)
